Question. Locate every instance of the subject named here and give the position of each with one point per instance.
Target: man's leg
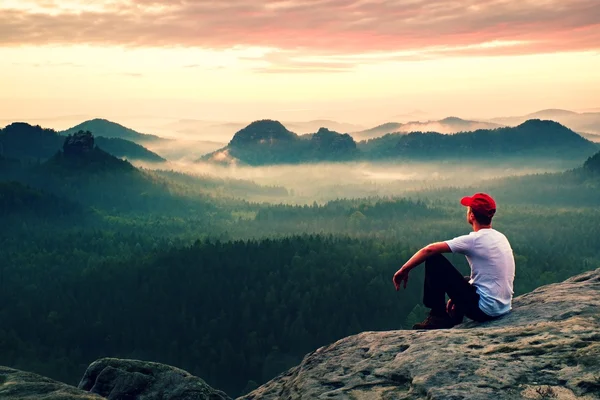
(442, 277)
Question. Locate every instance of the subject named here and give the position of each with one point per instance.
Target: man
(488, 293)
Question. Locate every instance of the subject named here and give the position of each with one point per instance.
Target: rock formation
(78, 143)
(116, 379)
(19, 385)
(548, 347)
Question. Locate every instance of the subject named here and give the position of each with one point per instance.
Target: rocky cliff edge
(548, 347)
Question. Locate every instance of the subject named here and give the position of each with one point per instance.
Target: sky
(354, 61)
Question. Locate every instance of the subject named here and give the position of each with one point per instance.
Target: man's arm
(402, 274)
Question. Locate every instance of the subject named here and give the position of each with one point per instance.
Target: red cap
(480, 203)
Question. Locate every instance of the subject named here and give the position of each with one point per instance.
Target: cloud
(127, 74)
(289, 61)
(205, 67)
(50, 64)
(321, 27)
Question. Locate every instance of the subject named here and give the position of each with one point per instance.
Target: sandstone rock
(19, 385)
(117, 379)
(547, 347)
(78, 143)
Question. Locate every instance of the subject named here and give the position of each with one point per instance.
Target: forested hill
(592, 165)
(534, 138)
(32, 143)
(269, 142)
(20, 200)
(82, 173)
(80, 155)
(109, 129)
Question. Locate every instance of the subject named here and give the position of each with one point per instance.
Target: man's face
(470, 216)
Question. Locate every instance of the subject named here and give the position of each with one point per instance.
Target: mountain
(80, 155)
(22, 141)
(83, 173)
(108, 129)
(448, 125)
(533, 138)
(379, 130)
(551, 113)
(270, 142)
(580, 122)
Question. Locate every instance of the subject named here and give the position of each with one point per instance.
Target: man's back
(492, 268)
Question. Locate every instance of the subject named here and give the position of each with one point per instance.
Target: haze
(357, 62)
(324, 182)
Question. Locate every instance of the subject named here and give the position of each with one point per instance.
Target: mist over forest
(231, 250)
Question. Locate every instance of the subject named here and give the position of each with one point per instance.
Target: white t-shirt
(492, 268)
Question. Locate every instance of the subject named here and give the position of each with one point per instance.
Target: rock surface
(19, 385)
(117, 379)
(547, 347)
(78, 143)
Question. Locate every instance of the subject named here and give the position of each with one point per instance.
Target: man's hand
(400, 276)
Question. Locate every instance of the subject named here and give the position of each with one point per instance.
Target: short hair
(481, 218)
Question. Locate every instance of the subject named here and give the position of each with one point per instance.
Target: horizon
(64, 122)
(220, 132)
(366, 64)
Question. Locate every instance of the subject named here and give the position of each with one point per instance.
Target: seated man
(488, 293)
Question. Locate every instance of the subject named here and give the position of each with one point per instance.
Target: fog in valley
(329, 181)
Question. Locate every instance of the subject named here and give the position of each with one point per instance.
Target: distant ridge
(26, 142)
(536, 138)
(270, 142)
(109, 129)
(448, 125)
(588, 122)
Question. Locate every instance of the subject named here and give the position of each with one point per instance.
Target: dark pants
(441, 278)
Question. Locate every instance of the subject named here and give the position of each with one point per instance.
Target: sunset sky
(355, 61)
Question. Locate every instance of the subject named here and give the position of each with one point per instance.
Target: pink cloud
(317, 26)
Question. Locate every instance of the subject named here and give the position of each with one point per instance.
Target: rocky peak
(117, 379)
(262, 132)
(20, 385)
(78, 144)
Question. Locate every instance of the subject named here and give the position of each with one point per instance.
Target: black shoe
(436, 322)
